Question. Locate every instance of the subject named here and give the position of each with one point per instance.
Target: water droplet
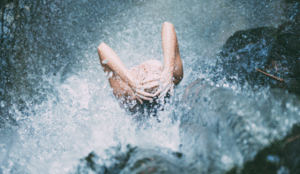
(274, 159)
(286, 121)
(110, 74)
(104, 62)
(226, 160)
(2, 104)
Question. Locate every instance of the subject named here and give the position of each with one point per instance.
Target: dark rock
(245, 51)
(290, 1)
(292, 10)
(291, 151)
(242, 38)
(289, 36)
(134, 160)
(284, 59)
(263, 57)
(282, 156)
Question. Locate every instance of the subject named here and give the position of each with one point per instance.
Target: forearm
(169, 46)
(111, 62)
(120, 88)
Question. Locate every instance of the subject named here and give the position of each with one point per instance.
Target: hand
(139, 91)
(164, 82)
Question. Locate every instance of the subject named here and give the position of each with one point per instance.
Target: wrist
(168, 72)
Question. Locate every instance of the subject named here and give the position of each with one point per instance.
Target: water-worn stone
(289, 36)
(134, 161)
(243, 52)
(289, 1)
(263, 56)
(282, 156)
(223, 128)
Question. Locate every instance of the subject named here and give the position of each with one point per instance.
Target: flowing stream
(56, 103)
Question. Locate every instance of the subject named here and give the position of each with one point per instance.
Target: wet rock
(289, 36)
(284, 59)
(220, 129)
(133, 161)
(12, 11)
(290, 1)
(282, 156)
(243, 52)
(263, 56)
(292, 10)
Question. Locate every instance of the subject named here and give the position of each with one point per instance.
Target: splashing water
(57, 105)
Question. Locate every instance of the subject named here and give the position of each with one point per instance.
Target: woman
(149, 79)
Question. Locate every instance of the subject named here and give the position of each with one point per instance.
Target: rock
(220, 129)
(243, 52)
(282, 156)
(242, 38)
(290, 1)
(292, 10)
(263, 57)
(284, 59)
(134, 160)
(289, 36)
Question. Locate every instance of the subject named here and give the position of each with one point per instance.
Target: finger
(165, 91)
(135, 97)
(148, 80)
(140, 100)
(147, 86)
(151, 85)
(146, 94)
(172, 90)
(160, 78)
(160, 90)
(145, 98)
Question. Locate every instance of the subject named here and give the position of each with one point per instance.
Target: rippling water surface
(56, 104)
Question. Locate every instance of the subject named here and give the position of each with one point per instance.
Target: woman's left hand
(164, 82)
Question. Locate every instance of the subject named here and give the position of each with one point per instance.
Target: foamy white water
(70, 109)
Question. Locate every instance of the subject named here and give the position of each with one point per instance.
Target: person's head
(146, 71)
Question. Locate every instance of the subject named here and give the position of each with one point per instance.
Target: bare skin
(149, 79)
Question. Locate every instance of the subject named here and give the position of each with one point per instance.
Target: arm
(168, 37)
(172, 59)
(111, 62)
